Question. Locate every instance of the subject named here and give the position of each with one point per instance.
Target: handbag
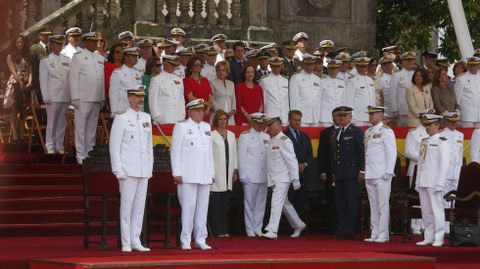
(10, 91)
(465, 234)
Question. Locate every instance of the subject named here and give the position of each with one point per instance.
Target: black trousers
(219, 208)
(331, 210)
(346, 199)
(298, 198)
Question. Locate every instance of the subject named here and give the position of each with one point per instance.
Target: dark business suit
(347, 161)
(236, 71)
(303, 152)
(324, 158)
(288, 69)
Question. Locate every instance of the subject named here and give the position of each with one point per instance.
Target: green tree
(410, 24)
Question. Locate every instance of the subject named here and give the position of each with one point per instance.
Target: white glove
(387, 176)
(76, 103)
(438, 188)
(120, 175)
(296, 184)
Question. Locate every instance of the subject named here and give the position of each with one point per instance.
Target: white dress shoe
(140, 248)
(424, 243)
(379, 240)
(186, 247)
(371, 239)
(50, 151)
(437, 244)
(270, 235)
(251, 235)
(203, 246)
(126, 249)
(298, 231)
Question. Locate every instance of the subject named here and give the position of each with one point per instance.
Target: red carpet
(15, 253)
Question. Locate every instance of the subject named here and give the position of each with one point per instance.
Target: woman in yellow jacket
(418, 97)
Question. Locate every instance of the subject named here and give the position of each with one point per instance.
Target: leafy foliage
(410, 24)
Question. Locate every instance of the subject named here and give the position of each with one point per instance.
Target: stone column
(145, 10)
(257, 21)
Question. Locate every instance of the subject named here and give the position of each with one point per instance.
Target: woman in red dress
(114, 60)
(249, 97)
(196, 86)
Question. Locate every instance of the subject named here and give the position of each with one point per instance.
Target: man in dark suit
(237, 63)
(290, 63)
(348, 168)
(303, 151)
(324, 157)
(39, 51)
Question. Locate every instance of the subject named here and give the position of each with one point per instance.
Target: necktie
(340, 134)
(291, 63)
(297, 135)
(47, 49)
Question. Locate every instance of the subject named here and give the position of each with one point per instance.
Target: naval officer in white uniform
(275, 91)
(193, 172)
(380, 159)
(282, 171)
(53, 77)
(72, 48)
(432, 171)
(131, 155)
(252, 171)
(87, 91)
(123, 78)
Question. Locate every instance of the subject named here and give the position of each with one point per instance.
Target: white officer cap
(299, 36)
(75, 31)
(135, 51)
(326, 44)
(423, 112)
(385, 60)
(59, 39)
(172, 59)
(212, 51)
(252, 53)
(269, 46)
(476, 53)
(309, 59)
(359, 54)
(178, 31)
(91, 36)
(343, 56)
(138, 91)
(275, 61)
(362, 61)
(126, 34)
(185, 51)
(373, 109)
(258, 117)
(334, 63)
(409, 55)
(219, 37)
(431, 118)
(145, 43)
(392, 49)
(168, 43)
(473, 60)
(271, 119)
(197, 103)
(200, 48)
(453, 116)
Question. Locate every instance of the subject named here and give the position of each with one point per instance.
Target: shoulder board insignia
(246, 132)
(442, 138)
(351, 76)
(284, 137)
(77, 52)
(120, 112)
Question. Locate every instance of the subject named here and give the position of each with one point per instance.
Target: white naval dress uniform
(131, 156)
(412, 150)
(282, 171)
(252, 171)
(399, 83)
(275, 96)
(455, 145)
(123, 79)
(384, 86)
(54, 84)
(180, 71)
(87, 91)
(332, 96)
(166, 99)
(467, 92)
(69, 50)
(140, 65)
(359, 93)
(433, 165)
(380, 159)
(208, 71)
(475, 146)
(192, 159)
(305, 96)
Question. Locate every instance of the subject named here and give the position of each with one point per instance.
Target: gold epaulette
(442, 138)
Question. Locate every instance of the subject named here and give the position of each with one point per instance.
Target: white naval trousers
(378, 197)
(133, 192)
(254, 200)
(86, 120)
(281, 204)
(56, 123)
(193, 200)
(433, 213)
